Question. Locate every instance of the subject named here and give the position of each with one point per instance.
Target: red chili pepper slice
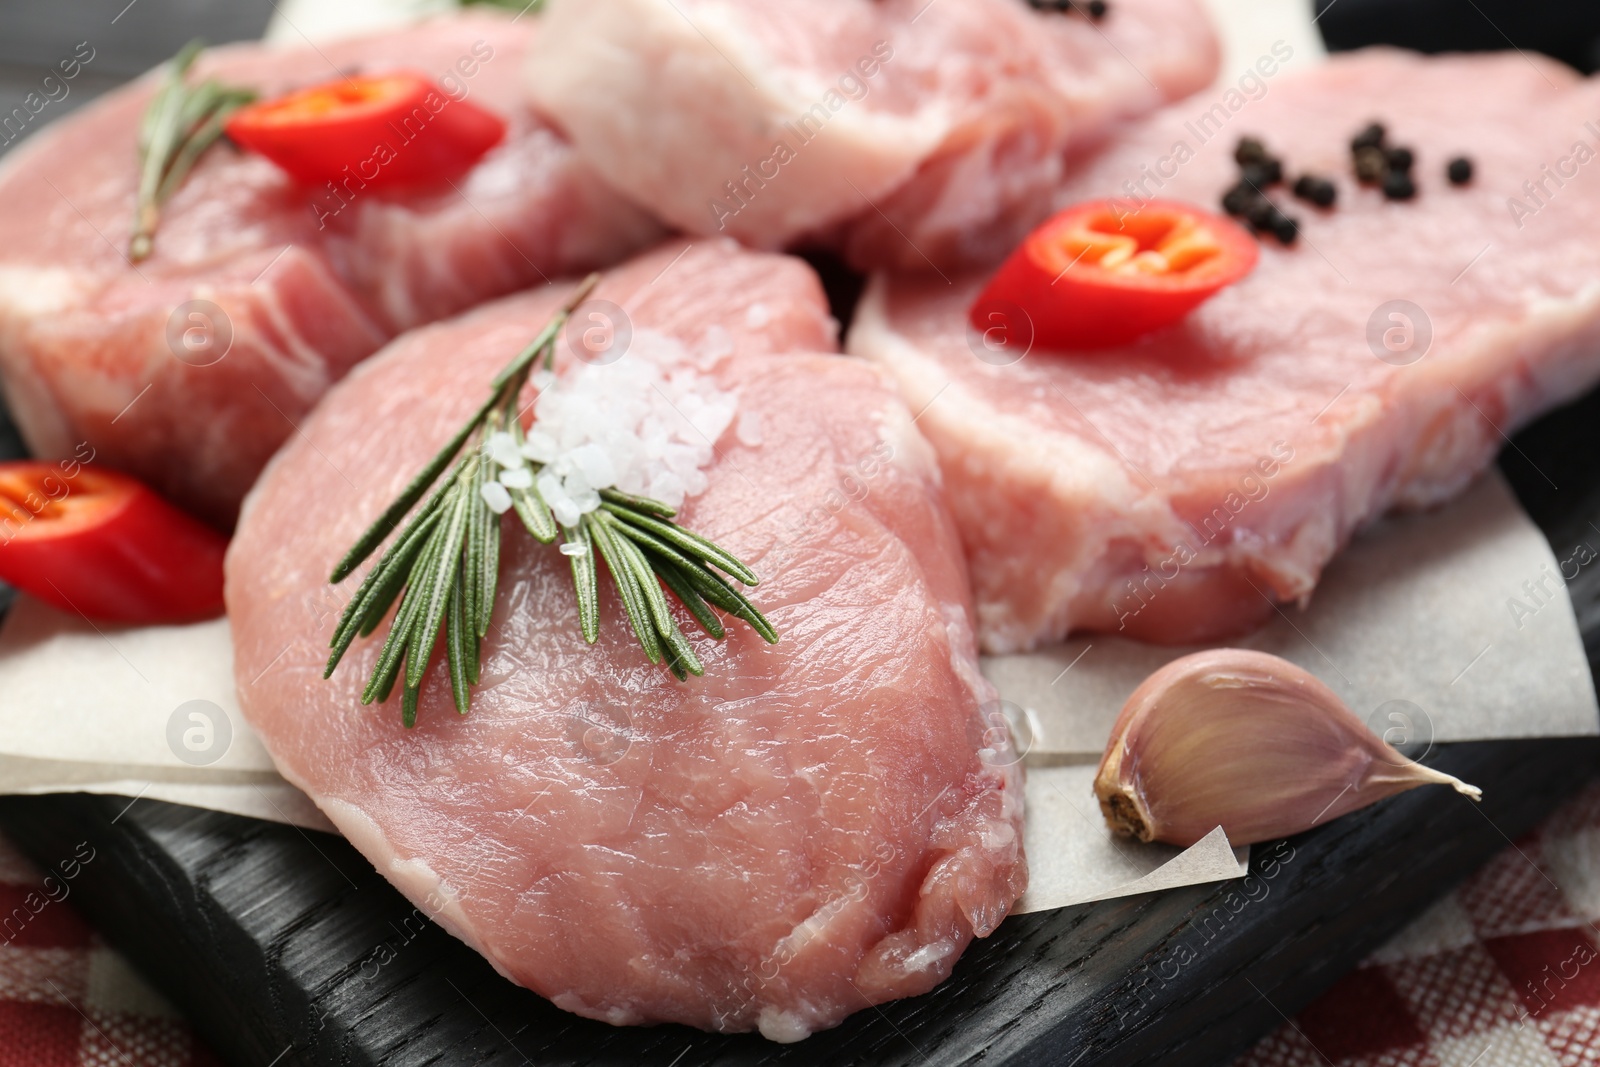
(1098, 275)
(99, 543)
(384, 129)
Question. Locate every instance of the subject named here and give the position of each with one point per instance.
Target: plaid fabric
(66, 1000)
(1504, 972)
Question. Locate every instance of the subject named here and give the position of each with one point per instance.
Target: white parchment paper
(103, 694)
(1073, 857)
(1449, 625)
(262, 795)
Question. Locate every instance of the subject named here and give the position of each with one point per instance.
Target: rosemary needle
(444, 564)
(181, 122)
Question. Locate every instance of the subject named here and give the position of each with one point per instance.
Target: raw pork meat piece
(810, 828)
(916, 133)
(1176, 489)
(306, 287)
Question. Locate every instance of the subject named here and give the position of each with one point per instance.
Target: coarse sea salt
(497, 497)
(748, 428)
(644, 424)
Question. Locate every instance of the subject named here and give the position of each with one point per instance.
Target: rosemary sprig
(181, 122)
(444, 564)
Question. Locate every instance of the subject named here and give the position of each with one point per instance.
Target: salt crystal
(502, 448)
(518, 478)
(573, 483)
(757, 316)
(644, 425)
(540, 447)
(496, 496)
(565, 511)
(748, 428)
(574, 548)
(712, 419)
(550, 488)
(667, 487)
(716, 343)
(595, 465)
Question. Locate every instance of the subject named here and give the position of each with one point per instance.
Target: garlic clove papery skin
(1246, 741)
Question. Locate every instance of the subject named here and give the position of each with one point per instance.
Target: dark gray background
(127, 39)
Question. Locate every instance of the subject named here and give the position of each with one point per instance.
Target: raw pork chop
(935, 129)
(810, 828)
(306, 287)
(1175, 489)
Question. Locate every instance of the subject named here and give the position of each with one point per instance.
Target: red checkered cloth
(66, 1000)
(1504, 972)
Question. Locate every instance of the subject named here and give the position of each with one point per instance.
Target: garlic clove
(1246, 741)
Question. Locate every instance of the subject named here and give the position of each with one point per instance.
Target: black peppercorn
(1371, 164)
(1371, 137)
(1260, 214)
(1094, 9)
(1319, 191)
(1249, 150)
(1397, 185)
(1237, 200)
(1459, 171)
(1284, 228)
(1265, 217)
(1261, 174)
(1400, 159)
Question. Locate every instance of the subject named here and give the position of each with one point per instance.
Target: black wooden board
(1569, 30)
(286, 947)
